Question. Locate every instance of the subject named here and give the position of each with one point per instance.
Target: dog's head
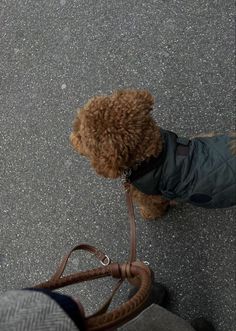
(115, 131)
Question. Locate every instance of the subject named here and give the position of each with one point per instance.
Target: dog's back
(208, 172)
(201, 171)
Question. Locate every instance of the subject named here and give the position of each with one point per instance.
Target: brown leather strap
(132, 223)
(103, 258)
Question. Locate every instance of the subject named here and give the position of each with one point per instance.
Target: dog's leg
(151, 206)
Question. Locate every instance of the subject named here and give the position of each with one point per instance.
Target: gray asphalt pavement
(54, 55)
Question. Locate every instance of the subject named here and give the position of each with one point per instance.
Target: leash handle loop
(103, 258)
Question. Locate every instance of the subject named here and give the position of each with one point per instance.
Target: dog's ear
(110, 161)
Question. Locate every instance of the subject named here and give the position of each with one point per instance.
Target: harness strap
(182, 146)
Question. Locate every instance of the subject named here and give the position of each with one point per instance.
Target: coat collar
(143, 167)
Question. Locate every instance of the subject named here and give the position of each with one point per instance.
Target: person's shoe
(201, 324)
(158, 294)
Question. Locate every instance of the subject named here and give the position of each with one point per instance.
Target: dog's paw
(146, 214)
(151, 215)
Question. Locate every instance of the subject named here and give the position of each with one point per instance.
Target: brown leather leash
(136, 272)
(132, 223)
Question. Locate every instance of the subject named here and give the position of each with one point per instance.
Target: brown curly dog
(118, 135)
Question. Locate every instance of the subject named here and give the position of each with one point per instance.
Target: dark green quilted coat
(204, 176)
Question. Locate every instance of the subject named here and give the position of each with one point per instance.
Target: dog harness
(201, 171)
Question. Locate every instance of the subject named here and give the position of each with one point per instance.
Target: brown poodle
(119, 136)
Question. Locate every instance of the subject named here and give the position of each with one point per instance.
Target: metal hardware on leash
(108, 261)
(125, 176)
(146, 263)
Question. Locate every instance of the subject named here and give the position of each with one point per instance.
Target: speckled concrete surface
(54, 55)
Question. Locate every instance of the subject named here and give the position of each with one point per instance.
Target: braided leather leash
(136, 272)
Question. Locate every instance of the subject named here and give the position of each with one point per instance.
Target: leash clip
(107, 261)
(125, 182)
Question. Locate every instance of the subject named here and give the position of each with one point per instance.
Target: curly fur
(114, 132)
